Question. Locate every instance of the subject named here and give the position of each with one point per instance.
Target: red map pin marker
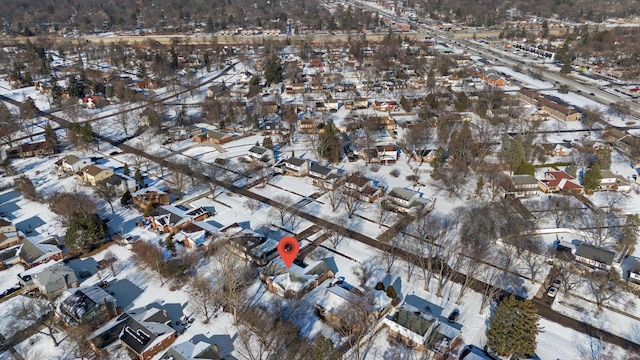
(288, 248)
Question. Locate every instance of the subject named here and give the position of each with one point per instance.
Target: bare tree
(280, 208)
(336, 230)
(179, 182)
(123, 120)
(111, 261)
(334, 195)
(351, 204)
(107, 192)
(354, 320)
(603, 285)
(38, 311)
(69, 206)
(535, 257)
(149, 256)
(561, 209)
(202, 293)
(252, 205)
(230, 279)
(490, 289)
(264, 335)
(77, 341)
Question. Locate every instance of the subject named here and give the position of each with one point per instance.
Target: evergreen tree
(592, 177)
(139, 179)
(267, 142)
(273, 71)
(603, 157)
(85, 233)
(170, 245)
(125, 169)
(50, 136)
(513, 328)
(323, 349)
(126, 199)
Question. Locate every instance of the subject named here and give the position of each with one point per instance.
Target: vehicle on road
(552, 292)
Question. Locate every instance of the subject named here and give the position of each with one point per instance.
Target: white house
(406, 201)
(296, 166)
(72, 163)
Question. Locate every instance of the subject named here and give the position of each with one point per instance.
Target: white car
(552, 292)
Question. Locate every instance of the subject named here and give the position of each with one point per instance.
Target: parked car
(453, 316)
(556, 283)
(552, 292)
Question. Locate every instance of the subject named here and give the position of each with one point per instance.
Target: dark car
(453, 316)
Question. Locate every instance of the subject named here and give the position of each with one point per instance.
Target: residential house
(387, 153)
(190, 351)
(362, 188)
(623, 140)
(309, 126)
(559, 149)
(387, 106)
(523, 186)
(622, 184)
(9, 235)
(87, 305)
(296, 166)
(407, 201)
(324, 177)
(35, 251)
(275, 128)
(183, 133)
(122, 183)
(10, 256)
(608, 180)
(360, 103)
(50, 279)
(341, 294)
(634, 273)
(30, 150)
(197, 233)
(262, 155)
(72, 164)
(254, 247)
(143, 197)
(423, 328)
(146, 84)
(217, 89)
(295, 281)
(171, 219)
(595, 257)
(214, 136)
(94, 174)
(423, 156)
(145, 332)
(555, 181)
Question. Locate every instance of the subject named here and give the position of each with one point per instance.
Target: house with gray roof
(51, 278)
(523, 186)
(422, 325)
(190, 351)
(87, 305)
(145, 332)
(407, 201)
(169, 218)
(296, 166)
(594, 257)
(324, 177)
(36, 251)
(72, 164)
(262, 155)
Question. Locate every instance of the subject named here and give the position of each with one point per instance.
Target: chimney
(216, 348)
